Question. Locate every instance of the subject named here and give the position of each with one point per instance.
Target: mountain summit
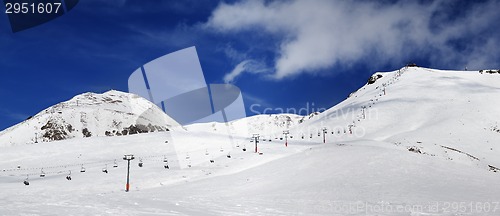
(112, 113)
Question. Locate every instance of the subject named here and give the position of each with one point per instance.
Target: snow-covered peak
(112, 113)
(427, 111)
(264, 124)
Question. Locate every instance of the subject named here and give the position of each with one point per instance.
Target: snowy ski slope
(429, 145)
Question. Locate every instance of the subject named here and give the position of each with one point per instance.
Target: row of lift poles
(128, 158)
(255, 139)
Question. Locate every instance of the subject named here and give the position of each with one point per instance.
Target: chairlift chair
(26, 182)
(140, 163)
(82, 169)
(165, 161)
(115, 164)
(42, 174)
(68, 177)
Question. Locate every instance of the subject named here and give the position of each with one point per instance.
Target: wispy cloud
(317, 35)
(249, 66)
(232, 53)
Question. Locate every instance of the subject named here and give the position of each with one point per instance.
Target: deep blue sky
(97, 45)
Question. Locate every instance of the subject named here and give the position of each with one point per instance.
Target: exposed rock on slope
(112, 113)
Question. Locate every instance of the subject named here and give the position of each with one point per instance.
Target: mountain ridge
(112, 113)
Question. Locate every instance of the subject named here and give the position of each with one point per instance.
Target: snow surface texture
(427, 142)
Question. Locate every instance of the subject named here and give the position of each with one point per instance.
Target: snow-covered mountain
(414, 141)
(449, 114)
(265, 125)
(112, 113)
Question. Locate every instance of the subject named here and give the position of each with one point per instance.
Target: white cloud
(232, 53)
(250, 66)
(320, 34)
